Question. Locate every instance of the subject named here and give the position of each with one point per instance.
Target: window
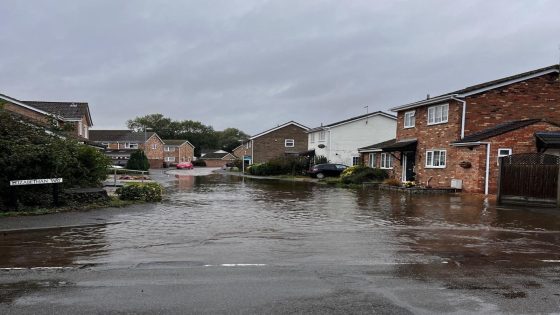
(386, 161)
(355, 160)
(409, 119)
(289, 143)
(372, 160)
(438, 114)
(503, 152)
(80, 128)
(130, 145)
(435, 158)
(312, 137)
(154, 146)
(168, 148)
(169, 159)
(321, 136)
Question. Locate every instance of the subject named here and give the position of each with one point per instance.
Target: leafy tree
(30, 152)
(138, 161)
(231, 138)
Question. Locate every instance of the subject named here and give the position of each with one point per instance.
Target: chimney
(428, 96)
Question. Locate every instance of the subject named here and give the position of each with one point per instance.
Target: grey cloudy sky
(255, 64)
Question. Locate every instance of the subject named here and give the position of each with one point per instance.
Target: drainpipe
(329, 145)
(487, 175)
(252, 153)
(463, 116)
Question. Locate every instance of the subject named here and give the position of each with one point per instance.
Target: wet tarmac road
(224, 244)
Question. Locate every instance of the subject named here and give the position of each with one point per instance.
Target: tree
(30, 152)
(231, 138)
(138, 161)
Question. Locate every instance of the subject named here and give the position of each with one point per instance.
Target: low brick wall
(419, 190)
(84, 195)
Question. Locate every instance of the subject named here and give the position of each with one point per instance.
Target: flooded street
(226, 244)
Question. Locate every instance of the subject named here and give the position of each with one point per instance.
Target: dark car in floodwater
(325, 170)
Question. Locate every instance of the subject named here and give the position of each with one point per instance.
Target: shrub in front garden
(359, 174)
(150, 192)
(279, 166)
(138, 161)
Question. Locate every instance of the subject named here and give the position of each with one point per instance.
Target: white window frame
(410, 119)
(154, 146)
(288, 141)
(322, 136)
(386, 161)
(169, 159)
(355, 160)
(439, 114)
(80, 126)
(312, 137)
(130, 145)
(502, 155)
(431, 161)
(169, 148)
(372, 160)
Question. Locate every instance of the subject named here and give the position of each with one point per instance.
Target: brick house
(373, 156)
(286, 139)
(176, 151)
(62, 114)
(457, 138)
(339, 141)
(218, 159)
(120, 144)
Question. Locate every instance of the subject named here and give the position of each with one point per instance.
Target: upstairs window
(322, 136)
(438, 114)
(130, 145)
(289, 143)
(312, 137)
(409, 119)
(154, 146)
(436, 158)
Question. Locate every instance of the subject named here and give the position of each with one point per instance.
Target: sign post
(41, 181)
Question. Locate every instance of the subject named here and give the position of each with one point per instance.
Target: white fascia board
(370, 150)
(430, 101)
(466, 144)
(279, 127)
(491, 87)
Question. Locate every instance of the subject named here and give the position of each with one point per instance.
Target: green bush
(359, 174)
(138, 161)
(321, 159)
(279, 166)
(29, 152)
(150, 192)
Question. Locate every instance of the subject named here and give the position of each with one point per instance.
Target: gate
(529, 178)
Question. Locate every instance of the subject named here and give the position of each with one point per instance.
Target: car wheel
(320, 175)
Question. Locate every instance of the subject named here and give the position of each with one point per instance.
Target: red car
(185, 165)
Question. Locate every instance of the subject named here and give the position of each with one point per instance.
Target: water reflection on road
(221, 219)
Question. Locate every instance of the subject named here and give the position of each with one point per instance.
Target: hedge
(359, 174)
(150, 192)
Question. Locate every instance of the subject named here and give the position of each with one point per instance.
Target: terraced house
(455, 139)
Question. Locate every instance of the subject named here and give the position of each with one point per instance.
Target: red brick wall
(534, 98)
(242, 150)
(182, 153)
(155, 155)
(37, 117)
(271, 145)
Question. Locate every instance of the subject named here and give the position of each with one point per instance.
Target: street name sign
(22, 182)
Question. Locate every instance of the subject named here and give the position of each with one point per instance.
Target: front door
(408, 162)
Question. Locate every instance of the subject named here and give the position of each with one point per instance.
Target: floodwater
(227, 220)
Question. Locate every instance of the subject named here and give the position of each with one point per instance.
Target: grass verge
(113, 202)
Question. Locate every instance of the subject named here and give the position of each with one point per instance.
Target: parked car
(185, 165)
(324, 170)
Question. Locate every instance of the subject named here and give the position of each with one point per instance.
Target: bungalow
(456, 139)
(61, 114)
(284, 140)
(218, 159)
(339, 141)
(176, 151)
(120, 144)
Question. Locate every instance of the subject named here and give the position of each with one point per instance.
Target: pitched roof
(68, 110)
(377, 146)
(497, 130)
(119, 136)
(216, 156)
(377, 113)
(20, 103)
(479, 88)
(279, 127)
(176, 142)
